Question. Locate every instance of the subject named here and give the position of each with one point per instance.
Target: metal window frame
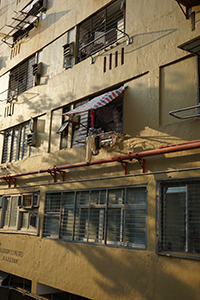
(105, 206)
(160, 186)
(8, 227)
(20, 210)
(21, 142)
(91, 30)
(22, 69)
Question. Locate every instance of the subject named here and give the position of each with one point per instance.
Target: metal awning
(63, 127)
(97, 102)
(189, 3)
(3, 276)
(22, 22)
(192, 46)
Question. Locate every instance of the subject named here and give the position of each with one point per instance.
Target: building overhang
(188, 4)
(192, 46)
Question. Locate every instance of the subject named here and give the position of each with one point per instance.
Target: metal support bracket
(10, 180)
(62, 173)
(125, 166)
(186, 13)
(53, 173)
(142, 163)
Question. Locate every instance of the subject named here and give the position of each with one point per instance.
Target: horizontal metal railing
(11, 95)
(103, 41)
(174, 113)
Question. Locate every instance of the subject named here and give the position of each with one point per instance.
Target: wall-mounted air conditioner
(68, 53)
(37, 72)
(31, 139)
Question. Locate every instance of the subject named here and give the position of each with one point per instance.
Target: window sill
(180, 255)
(18, 232)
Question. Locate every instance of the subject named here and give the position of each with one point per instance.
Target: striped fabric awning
(98, 102)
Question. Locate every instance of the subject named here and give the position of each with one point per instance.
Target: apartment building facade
(99, 149)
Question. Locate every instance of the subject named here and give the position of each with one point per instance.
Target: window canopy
(189, 3)
(97, 102)
(192, 46)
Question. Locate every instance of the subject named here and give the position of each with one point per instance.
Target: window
(63, 130)
(107, 119)
(16, 141)
(21, 77)
(110, 216)
(80, 130)
(101, 29)
(19, 213)
(178, 213)
(29, 18)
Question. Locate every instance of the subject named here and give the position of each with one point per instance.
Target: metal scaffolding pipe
(121, 158)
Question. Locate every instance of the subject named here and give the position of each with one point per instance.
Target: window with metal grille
(110, 216)
(178, 211)
(20, 213)
(101, 29)
(21, 77)
(15, 143)
(80, 130)
(28, 18)
(108, 118)
(63, 130)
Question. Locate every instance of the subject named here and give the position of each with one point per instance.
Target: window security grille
(28, 17)
(101, 30)
(15, 143)
(178, 217)
(20, 213)
(21, 77)
(80, 133)
(108, 216)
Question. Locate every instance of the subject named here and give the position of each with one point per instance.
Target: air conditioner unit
(37, 72)
(39, 6)
(27, 200)
(37, 69)
(31, 139)
(43, 7)
(30, 200)
(68, 49)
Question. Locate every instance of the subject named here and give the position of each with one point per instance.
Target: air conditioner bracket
(10, 180)
(142, 163)
(53, 172)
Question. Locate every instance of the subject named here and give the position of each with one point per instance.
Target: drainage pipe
(121, 158)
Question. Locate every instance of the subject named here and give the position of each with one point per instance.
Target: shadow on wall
(151, 37)
(129, 275)
(5, 8)
(3, 61)
(45, 24)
